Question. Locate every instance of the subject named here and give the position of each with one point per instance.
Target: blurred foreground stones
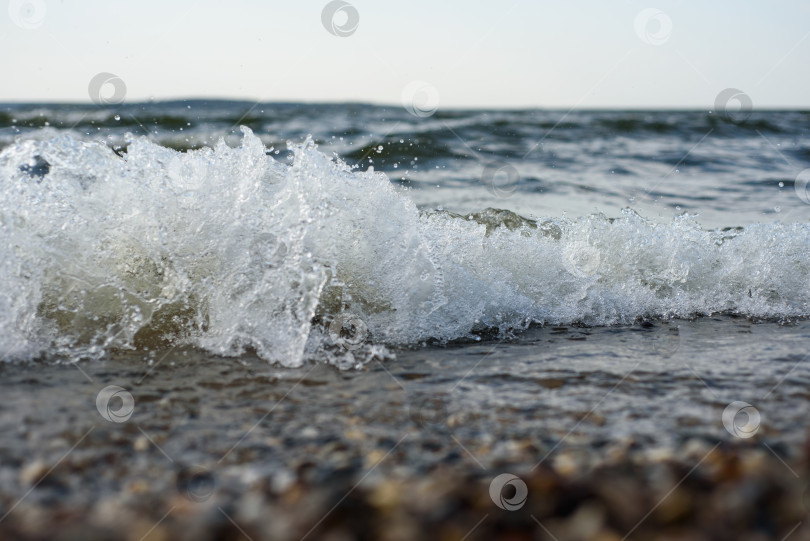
(718, 492)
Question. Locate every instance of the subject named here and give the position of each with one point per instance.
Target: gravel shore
(733, 494)
(430, 446)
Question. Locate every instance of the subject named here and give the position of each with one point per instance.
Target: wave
(229, 250)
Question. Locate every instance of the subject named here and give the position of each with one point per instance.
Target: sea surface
(574, 278)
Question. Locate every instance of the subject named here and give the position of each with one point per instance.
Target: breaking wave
(228, 249)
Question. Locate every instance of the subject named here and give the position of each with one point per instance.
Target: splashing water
(227, 249)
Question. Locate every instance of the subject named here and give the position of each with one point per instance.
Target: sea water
(328, 232)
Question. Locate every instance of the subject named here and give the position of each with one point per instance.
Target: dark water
(731, 170)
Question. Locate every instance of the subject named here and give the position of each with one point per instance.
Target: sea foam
(228, 249)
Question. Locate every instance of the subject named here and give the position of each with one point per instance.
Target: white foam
(228, 249)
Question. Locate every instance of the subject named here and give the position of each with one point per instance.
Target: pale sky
(496, 53)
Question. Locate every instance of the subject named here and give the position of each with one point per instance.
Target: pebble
(33, 473)
(141, 444)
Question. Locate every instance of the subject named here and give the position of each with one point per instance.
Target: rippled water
(728, 170)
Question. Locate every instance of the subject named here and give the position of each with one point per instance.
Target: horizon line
(253, 103)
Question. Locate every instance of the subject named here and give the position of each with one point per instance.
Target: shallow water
(572, 398)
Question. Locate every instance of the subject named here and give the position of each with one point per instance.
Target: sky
(495, 53)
